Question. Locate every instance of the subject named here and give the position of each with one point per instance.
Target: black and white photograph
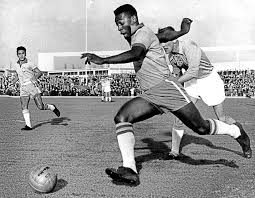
(127, 98)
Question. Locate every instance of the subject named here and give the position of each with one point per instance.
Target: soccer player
(162, 93)
(107, 89)
(201, 81)
(27, 74)
(102, 81)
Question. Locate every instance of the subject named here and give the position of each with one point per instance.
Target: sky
(60, 25)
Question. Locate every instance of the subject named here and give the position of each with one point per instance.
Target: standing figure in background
(107, 90)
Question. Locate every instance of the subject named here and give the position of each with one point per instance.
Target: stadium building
(69, 63)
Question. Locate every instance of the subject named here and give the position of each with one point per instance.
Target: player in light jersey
(27, 74)
(107, 90)
(132, 92)
(201, 81)
(102, 81)
(162, 93)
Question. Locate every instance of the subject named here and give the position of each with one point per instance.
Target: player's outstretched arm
(37, 73)
(169, 33)
(135, 54)
(15, 80)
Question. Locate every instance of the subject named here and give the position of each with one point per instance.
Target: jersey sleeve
(142, 38)
(193, 55)
(32, 66)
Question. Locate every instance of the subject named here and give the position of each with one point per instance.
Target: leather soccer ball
(42, 179)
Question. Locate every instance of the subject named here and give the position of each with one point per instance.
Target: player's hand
(92, 58)
(185, 25)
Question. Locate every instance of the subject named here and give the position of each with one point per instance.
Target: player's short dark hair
(127, 9)
(21, 48)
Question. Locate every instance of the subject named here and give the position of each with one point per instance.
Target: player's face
(21, 55)
(124, 22)
(169, 47)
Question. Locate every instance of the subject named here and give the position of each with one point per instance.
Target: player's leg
(24, 101)
(102, 96)
(40, 105)
(110, 97)
(212, 92)
(191, 117)
(135, 110)
(107, 96)
(219, 112)
(177, 134)
(191, 87)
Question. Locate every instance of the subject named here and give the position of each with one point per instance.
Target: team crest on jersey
(178, 60)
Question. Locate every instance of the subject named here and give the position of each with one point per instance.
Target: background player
(102, 81)
(27, 74)
(107, 89)
(162, 93)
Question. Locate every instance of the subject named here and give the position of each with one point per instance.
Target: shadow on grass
(54, 121)
(190, 139)
(61, 183)
(159, 150)
(120, 183)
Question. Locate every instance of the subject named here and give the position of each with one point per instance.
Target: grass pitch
(81, 143)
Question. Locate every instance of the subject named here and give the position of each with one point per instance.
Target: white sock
(110, 99)
(221, 128)
(102, 98)
(50, 107)
(26, 116)
(176, 141)
(126, 140)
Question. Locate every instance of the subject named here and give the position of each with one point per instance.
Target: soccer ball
(42, 179)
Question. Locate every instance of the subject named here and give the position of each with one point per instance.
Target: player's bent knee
(202, 131)
(178, 124)
(121, 118)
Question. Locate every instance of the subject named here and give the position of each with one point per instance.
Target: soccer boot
(26, 128)
(123, 174)
(244, 141)
(56, 111)
(171, 156)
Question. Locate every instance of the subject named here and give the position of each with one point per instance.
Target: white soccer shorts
(29, 89)
(210, 89)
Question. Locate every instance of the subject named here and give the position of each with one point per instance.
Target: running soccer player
(201, 81)
(27, 74)
(162, 93)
